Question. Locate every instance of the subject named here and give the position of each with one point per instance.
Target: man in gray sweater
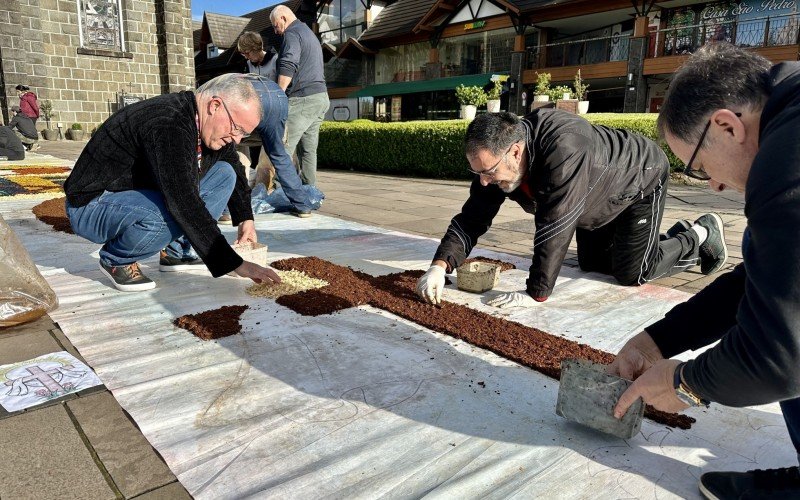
(301, 75)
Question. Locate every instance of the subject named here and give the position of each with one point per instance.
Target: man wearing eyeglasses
(605, 186)
(739, 129)
(157, 175)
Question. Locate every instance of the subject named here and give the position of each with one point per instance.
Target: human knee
(628, 277)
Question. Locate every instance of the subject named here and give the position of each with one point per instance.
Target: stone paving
(85, 446)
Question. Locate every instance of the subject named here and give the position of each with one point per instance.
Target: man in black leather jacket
(741, 128)
(606, 186)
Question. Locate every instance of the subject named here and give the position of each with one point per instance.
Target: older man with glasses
(749, 114)
(605, 186)
(155, 178)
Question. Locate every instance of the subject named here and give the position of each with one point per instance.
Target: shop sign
(763, 7)
(474, 25)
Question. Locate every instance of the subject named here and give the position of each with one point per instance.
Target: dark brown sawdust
(395, 293)
(213, 324)
(54, 213)
(40, 170)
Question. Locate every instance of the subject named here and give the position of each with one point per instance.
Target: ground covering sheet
(362, 404)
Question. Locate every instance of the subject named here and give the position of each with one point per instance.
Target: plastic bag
(24, 293)
(276, 201)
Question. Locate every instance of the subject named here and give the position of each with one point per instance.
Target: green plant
(46, 108)
(495, 91)
(76, 126)
(542, 84)
(558, 92)
(580, 87)
(474, 95)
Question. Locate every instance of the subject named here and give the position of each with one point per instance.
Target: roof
(259, 21)
(197, 31)
(397, 19)
(224, 30)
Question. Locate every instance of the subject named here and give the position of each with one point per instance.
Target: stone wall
(42, 49)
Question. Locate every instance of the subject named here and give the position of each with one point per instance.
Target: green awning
(387, 89)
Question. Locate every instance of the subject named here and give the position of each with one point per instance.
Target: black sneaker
(303, 214)
(679, 227)
(769, 483)
(128, 278)
(713, 251)
(168, 264)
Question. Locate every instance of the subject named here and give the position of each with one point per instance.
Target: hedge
(433, 149)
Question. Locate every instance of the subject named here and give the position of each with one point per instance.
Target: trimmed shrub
(433, 149)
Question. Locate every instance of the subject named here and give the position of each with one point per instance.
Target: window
(340, 20)
(212, 51)
(100, 24)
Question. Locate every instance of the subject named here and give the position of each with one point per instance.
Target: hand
(247, 233)
(257, 273)
(635, 357)
(431, 284)
(512, 299)
(656, 387)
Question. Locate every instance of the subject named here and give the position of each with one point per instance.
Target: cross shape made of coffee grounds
(395, 293)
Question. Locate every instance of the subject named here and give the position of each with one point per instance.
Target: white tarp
(362, 404)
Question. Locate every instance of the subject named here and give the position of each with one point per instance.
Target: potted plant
(580, 93)
(493, 97)
(542, 92)
(46, 109)
(470, 98)
(559, 92)
(76, 132)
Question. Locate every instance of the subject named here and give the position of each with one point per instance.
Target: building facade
(89, 57)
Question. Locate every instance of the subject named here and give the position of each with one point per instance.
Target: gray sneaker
(128, 278)
(303, 214)
(167, 263)
(713, 251)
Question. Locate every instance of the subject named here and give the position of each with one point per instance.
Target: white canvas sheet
(362, 404)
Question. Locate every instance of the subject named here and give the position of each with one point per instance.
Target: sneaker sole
(707, 494)
(724, 245)
(128, 288)
(180, 267)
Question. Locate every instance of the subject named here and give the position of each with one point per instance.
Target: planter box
(50, 135)
(478, 277)
(76, 135)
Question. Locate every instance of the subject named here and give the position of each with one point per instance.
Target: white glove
(431, 284)
(512, 299)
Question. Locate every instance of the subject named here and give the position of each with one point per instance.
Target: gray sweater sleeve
(289, 61)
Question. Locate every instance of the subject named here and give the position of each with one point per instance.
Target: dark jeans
(275, 106)
(630, 247)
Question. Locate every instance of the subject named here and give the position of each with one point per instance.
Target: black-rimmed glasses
(699, 174)
(236, 130)
(489, 173)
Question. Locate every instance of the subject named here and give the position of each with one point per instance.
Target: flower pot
(583, 107)
(541, 98)
(76, 135)
(468, 112)
(493, 105)
(478, 277)
(50, 134)
(565, 96)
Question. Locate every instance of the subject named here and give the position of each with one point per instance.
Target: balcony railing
(756, 32)
(579, 52)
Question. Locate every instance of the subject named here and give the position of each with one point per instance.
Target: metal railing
(757, 32)
(579, 52)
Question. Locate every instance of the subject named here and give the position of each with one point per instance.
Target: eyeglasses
(236, 130)
(699, 174)
(489, 173)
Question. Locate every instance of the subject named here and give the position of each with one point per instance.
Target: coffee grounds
(213, 324)
(40, 170)
(54, 213)
(504, 266)
(396, 294)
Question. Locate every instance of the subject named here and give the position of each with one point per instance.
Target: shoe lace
(133, 271)
(777, 479)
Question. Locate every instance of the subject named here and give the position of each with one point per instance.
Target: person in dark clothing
(11, 147)
(739, 130)
(24, 128)
(606, 186)
(157, 175)
(301, 74)
(28, 102)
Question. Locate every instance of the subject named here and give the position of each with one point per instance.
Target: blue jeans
(275, 106)
(133, 225)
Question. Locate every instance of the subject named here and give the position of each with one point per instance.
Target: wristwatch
(684, 393)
